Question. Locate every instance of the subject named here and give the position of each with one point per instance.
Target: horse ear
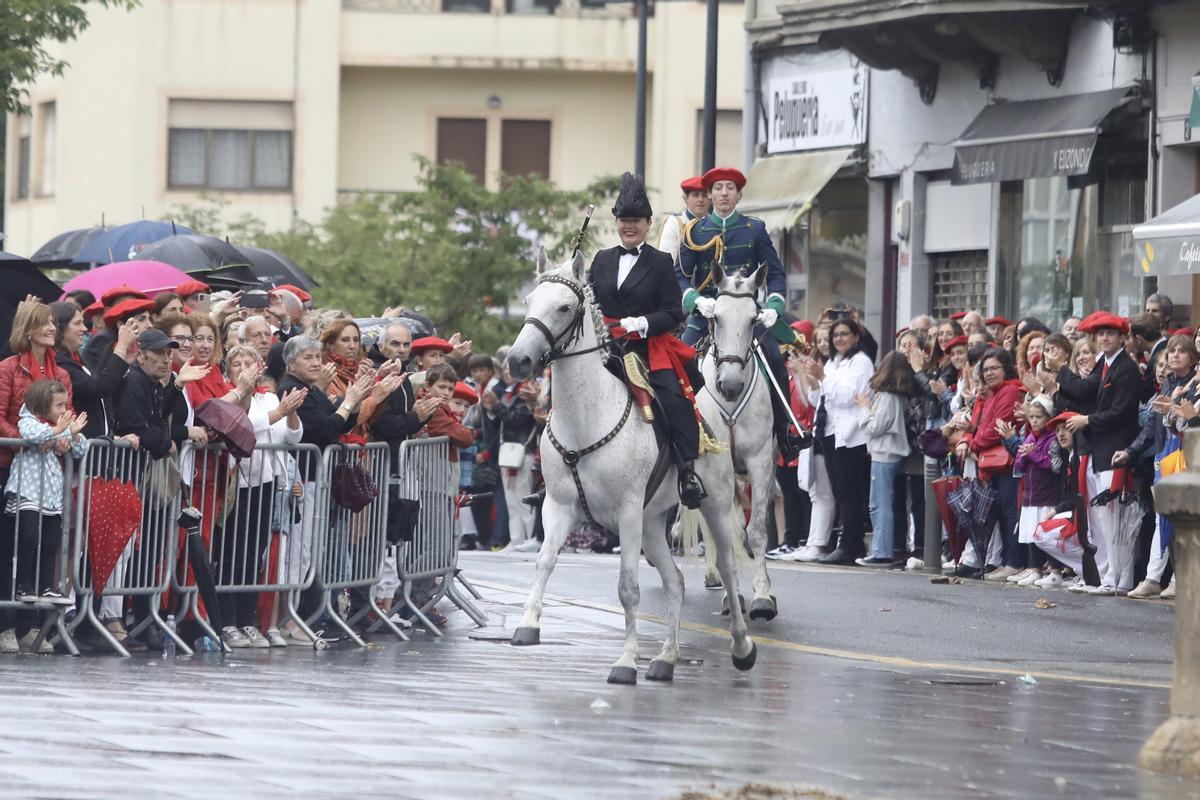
(717, 274)
(760, 276)
(541, 261)
(577, 266)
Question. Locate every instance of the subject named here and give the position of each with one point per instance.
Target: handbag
(162, 480)
(486, 477)
(995, 459)
(512, 454)
(403, 514)
(933, 444)
(352, 488)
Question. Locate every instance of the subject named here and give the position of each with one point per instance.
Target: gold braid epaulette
(716, 244)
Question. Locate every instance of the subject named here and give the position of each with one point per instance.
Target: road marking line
(830, 652)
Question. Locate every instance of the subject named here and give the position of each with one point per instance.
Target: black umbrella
(191, 252)
(196, 556)
(234, 278)
(276, 268)
(18, 278)
(62, 250)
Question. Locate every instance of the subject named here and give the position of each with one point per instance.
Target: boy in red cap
(1109, 396)
(195, 295)
(696, 205)
(440, 381)
(132, 313)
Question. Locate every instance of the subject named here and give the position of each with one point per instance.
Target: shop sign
(815, 110)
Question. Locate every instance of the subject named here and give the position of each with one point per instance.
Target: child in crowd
(34, 493)
(1057, 536)
(887, 442)
(461, 403)
(1039, 489)
(440, 380)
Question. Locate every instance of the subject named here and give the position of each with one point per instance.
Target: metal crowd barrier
(353, 543)
(114, 482)
(427, 475)
(37, 549)
(257, 534)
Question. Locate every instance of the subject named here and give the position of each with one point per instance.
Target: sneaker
(1051, 581)
(294, 635)
(1103, 590)
(1000, 574)
(949, 565)
(808, 554)
(8, 642)
(26, 643)
(616, 551)
(1032, 576)
(779, 552)
(255, 638)
(1146, 589)
(1017, 578)
(1079, 586)
(274, 639)
(529, 546)
(55, 597)
(233, 638)
(1169, 592)
(25, 595)
(875, 561)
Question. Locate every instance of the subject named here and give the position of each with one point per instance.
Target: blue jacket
(746, 245)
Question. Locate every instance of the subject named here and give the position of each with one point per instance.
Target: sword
(787, 403)
(587, 217)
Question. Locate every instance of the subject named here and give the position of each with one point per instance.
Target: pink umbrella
(151, 277)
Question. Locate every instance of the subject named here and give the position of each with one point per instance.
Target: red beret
(125, 309)
(1061, 418)
(804, 328)
(304, 296)
(1104, 319)
(997, 321)
(190, 287)
(901, 332)
(121, 291)
(957, 341)
(958, 315)
(722, 174)
(695, 184)
(464, 392)
(94, 309)
(431, 343)
(1183, 332)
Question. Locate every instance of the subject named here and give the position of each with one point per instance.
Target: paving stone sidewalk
(472, 717)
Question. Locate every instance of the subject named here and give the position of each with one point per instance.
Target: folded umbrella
(126, 242)
(276, 268)
(193, 252)
(63, 250)
(114, 515)
(201, 567)
(941, 491)
(229, 424)
(151, 277)
(1168, 461)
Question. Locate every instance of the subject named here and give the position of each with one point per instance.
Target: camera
(256, 298)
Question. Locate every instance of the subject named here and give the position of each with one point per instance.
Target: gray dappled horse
(592, 407)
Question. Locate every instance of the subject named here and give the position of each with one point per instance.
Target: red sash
(665, 352)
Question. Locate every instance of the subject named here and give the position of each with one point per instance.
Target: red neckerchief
(211, 385)
(347, 368)
(261, 390)
(47, 369)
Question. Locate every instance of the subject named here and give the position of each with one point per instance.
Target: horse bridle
(559, 342)
(741, 360)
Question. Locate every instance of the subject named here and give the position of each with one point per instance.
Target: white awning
(781, 189)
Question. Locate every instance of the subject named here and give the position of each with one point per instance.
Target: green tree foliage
(452, 250)
(26, 28)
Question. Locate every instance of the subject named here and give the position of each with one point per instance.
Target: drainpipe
(750, 97)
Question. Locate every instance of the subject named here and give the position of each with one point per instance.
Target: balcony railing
(525, 8)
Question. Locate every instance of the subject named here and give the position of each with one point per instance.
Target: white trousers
(113, 606)
(995, 550)
(1102, 525)
(820, 526)
(1158, 562)
(517, 486)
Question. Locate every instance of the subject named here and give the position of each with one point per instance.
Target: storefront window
(1066, 263)
(826, 255)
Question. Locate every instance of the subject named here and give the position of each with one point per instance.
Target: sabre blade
(787, 405)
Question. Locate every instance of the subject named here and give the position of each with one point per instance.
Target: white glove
(707, 306)
(768, 317)
(637, 325)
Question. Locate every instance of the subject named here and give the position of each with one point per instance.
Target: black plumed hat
(632, 200)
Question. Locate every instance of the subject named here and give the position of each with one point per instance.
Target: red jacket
(998, 405)
(15, 379)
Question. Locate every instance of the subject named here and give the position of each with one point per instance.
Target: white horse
(613, 452)
(736, 384)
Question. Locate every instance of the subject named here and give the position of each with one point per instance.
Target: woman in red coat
(1003, 392)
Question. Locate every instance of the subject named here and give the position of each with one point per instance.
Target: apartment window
(467, 6)
(230, 145)
(960, 280)
(463, 141)
(525, 147)
(531, 7)
(729, 138)
(24, 155)
(48, 124)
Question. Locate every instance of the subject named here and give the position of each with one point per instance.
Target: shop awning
(1034, 138)
(781, 189)
(1169, 244)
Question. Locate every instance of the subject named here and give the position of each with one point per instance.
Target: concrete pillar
(1175, 746)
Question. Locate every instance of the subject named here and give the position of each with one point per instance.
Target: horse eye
(563, 309)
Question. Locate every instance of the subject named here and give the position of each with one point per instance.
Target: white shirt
(671, 234)
(845, 378)
(262, 466)
(625, 265)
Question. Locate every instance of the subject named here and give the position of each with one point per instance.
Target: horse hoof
(725, 604)
(660, 671)
(744, 664)
(712, 582)
(764, 608)
(523, 637)
(625, 676)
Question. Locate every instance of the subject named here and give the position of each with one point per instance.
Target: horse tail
(686, 531)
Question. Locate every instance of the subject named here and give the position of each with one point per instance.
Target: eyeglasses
(994, 368)
(183, 339)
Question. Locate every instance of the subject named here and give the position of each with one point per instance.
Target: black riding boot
(691, 488)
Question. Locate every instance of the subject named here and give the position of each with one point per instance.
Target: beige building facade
(281, 107)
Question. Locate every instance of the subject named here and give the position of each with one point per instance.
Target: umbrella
(942, 487)
(234, 277)
(275, 268)
(1168, 461)
(230, 424)
(19, 277)
(114, 515)
(1120, 551)
(126, 242)
(63, 250)
(192, 252)
(151, 277)
(371, 328)
(201, 564)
